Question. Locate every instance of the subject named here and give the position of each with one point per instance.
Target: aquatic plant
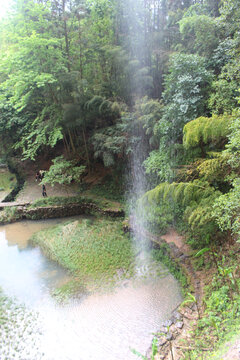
(19, 330)
(90, 251)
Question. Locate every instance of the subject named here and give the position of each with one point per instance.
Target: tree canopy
(93, 80)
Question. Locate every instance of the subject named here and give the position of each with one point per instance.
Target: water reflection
(101, 326)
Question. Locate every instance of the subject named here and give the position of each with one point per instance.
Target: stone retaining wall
(48, 212)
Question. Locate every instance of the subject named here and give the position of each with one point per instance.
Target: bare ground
(32, 190)
(232, 351)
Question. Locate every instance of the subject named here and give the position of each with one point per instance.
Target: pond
(102, 325)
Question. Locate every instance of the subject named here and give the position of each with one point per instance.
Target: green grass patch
(71, 289)
(162, 254)
(110, 188)
(9, 214)
(7, 181)
(91, 250)
(221, 318)
(62, 200)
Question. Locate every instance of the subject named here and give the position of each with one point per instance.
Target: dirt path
(178, 240)
(32, 190)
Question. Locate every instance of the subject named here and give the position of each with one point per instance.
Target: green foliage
(111, 187)
(92, 252)
(230, 16)
(63, 172)
(148, 113)
(60, 200)
(102, 111)
(189, 202)
(162, 254)
(233, 147)
(101, 203)
(203, 130)
(227, 209)
(154, 350)
(110, 144)
(157, 165)
(149, 127)
(40, 134)
(186, 91)
(182, 193)
(200, 34)
(7, 180)
(192, 300)
(224, 94)
(215, 170)
(9, 214)
(221, 311)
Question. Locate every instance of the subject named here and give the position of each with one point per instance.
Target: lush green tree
(230, 16)
(63, 172)
(200, 34)
(110, 144)
(186, 92)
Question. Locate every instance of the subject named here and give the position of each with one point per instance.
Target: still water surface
(100, 326)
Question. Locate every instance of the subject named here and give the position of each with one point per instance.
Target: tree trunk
(86, 149)
(66, 144)
(71, 141)
(66, 35)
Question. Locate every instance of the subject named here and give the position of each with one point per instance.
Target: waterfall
(137, 184)
(137, 187)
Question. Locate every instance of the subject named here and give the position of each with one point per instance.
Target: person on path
(44, 192)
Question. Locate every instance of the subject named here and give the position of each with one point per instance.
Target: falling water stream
(101, 326)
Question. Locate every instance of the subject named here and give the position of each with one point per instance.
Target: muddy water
(99, 326)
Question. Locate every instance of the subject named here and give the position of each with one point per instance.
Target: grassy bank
(9, 214)
(7, 183)
(92, 250)
(220, 319)
(163, 255)
(63, 200)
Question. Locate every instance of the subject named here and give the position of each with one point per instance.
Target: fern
(205, 130)
(183, 193)
(192, 201)
(215, 169)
